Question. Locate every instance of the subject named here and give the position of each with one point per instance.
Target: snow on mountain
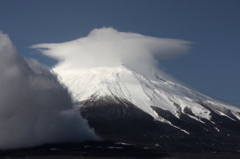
(155, 88)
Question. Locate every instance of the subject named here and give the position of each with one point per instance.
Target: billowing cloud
(106, 47)
(34, 107)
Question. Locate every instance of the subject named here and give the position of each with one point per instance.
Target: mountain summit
(152, 108)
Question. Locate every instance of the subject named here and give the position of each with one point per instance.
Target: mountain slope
(157, 90)
(151, 108)
(118, 120)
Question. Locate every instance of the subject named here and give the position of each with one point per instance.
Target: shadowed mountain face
(118, 120)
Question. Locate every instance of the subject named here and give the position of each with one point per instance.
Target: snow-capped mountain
(117, 87)
(157, 90)
(153, 104)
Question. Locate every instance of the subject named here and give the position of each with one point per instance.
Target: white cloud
(34, 107)
(107, 47)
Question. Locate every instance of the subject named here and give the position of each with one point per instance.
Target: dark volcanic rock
(116, 119)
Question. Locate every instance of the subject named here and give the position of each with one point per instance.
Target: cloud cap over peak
(107, 47)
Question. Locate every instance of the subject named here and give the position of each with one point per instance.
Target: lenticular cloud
(34, 107)
(106, 47)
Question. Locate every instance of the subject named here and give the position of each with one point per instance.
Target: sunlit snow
(158, 90)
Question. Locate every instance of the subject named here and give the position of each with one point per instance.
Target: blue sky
(212, 66)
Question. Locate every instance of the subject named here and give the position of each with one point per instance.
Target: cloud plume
(34, 107)
(107, 47)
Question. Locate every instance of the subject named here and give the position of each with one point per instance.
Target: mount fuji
(118, 88)
(152, 109)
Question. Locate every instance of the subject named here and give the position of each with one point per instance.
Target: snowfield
(154, 88)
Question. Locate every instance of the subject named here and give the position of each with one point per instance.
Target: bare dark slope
(118, 120)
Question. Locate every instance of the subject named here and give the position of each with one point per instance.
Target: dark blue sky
(212, 66)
